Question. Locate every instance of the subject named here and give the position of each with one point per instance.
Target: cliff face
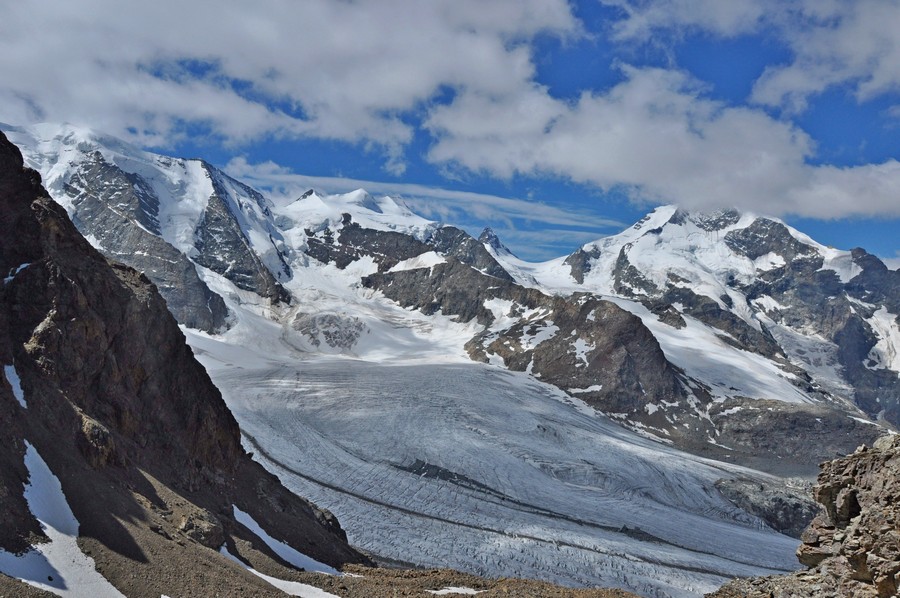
(853, 547)
(148, 455)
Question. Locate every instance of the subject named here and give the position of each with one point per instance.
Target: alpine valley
(646, 413)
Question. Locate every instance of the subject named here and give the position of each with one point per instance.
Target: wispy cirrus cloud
(534, 230)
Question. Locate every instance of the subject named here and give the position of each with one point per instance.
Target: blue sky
(554, 122)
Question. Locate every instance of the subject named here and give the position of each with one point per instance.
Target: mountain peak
(490, 238)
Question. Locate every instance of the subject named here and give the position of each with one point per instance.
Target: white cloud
(369, 72)
(834, 43)
(337, 70)
(644, 19)
(846, 43)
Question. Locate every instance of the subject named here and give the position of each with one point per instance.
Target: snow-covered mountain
(728, 335)
(827, 319)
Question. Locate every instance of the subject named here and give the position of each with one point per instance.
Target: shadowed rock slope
(853, 547)
(148, 455)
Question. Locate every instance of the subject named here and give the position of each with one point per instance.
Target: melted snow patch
(292, 588)
(429, 259)
(57, 566)
(292, 556)
(13, 378)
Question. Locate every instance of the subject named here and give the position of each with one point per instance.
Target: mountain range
(705, 355)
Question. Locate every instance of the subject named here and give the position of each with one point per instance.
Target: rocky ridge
(853, 547)
(147, 453)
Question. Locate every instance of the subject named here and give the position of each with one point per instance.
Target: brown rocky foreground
(388, 583)
(853, 547)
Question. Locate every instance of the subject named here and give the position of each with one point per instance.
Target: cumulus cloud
(837, 43)
(462, 74)
(656, 135)
(646, 18)
(347, 71)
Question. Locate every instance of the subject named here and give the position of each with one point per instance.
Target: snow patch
(13, 378)
(13, 273)
(57, 566)
(429, 259)
(886, 352)
(292, 588)
(840, 262)
(593, 388)
(768, 262)
(290, 555)
(582, 348)
(535, 334)
(767, 303)
(455, 590)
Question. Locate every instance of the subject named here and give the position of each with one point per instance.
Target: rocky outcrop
(148, 455)
(580, 263)
(853, 548)
(351, 242)
(453, 242)
(788, 438)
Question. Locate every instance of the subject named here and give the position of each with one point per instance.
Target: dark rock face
(628, 280)
(765, 428)
(387, 248)
(853, 548)
(121, 211)
(737, 331)
(223, 248)
(490, 238)
(710, 222)
(148, 455)
(818, 300)
(767, 236)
